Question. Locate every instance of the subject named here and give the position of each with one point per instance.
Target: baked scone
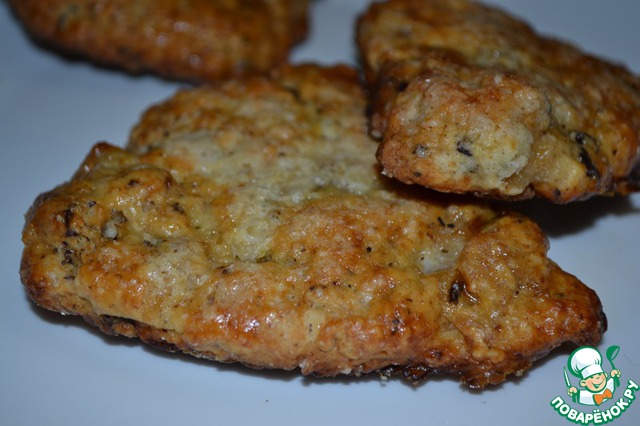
(191, 40)
(468, 99)
(249, 222)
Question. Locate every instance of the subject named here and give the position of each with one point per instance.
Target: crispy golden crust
(248, 222)
(193, 40)
(468, 99)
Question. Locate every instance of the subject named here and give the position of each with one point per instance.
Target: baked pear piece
(468, 99)
(190, 40)
(249, 222)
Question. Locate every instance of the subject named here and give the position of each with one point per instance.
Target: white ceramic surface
(55, 370)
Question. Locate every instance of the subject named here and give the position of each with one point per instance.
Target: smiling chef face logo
(598, 386)
(595, 387)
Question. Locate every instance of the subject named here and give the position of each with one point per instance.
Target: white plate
(57, 371)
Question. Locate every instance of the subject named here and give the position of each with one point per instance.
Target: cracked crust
(194, 40)
(248, 222)
(468, 99)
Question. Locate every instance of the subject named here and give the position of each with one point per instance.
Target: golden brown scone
(248, 222)
(469, 99)
(192, 40)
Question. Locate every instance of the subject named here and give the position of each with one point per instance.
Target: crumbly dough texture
(190, 40)
(468, 99)
(249, 222)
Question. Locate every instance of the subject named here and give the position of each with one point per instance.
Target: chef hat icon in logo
(585, 362)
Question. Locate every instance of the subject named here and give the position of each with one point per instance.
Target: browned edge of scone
(194, 42)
